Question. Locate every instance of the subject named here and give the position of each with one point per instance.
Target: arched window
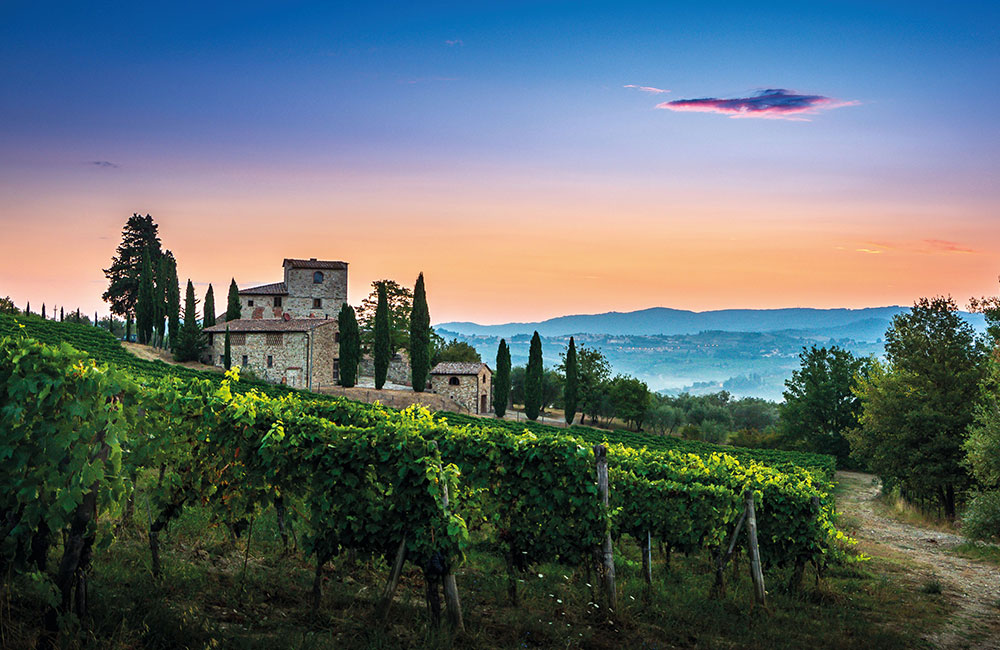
(318, 277)
(453, 381)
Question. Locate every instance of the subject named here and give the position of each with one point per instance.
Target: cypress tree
(43, 310)
(172, 291)
(501, 380)
(233, 302)
(227, 355)
(160, 303)
(382, 350)
(572, 383)
(27, 309)
(533, 379)
(144, 307)
(420, 337)
(350, 345)
(128, 327)
(190, 339)
(62, 315)
(95, 319)
(208, 314)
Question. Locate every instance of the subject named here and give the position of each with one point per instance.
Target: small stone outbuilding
(467, 382)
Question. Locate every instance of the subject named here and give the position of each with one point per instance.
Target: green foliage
(382, 351)
(533, 379)
(350, 345)
(208, 313)
(981, 519)
(455, 350)
(139, 237)
(631, 399)
(233, 308)
(7, 306)
(820, 404)
(917, 408)
(191, 340)
(593, 373)
(501, 380)
(399, 300)
(420, 337)
(570, 392)
(172, 294)
(145, 308)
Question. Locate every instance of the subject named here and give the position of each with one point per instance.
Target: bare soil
(150, 353)
(395, 398)
(972, 586)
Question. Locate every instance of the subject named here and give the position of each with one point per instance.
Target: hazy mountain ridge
(748, 352)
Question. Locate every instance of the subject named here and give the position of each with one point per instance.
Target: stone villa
(466, 382)
(287, 331)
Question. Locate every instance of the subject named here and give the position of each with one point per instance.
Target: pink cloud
(940, 245)
(647, 89)
(773, 103)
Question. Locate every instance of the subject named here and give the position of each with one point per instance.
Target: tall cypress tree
(160, 311)
(208, 314)
(144, 307)
(382, 350)
(501, 380)
(227, 353)
(27, 309)
(420, 337)
(190, 339)
(533, 379)
(350, 345)
(43, 310)
(173, 294)
(572, 382)
(233, 302)
(62, 315)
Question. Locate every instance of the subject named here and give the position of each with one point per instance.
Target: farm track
(972, 586)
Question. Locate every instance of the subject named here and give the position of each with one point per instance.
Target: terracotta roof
(272, 325)
(314, 264)
(266, 289)
(459, 368)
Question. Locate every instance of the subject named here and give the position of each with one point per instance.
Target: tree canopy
(399, 301)
(533, 379)
(350, 345)
(420, 337)
(501, 380)
(140, 236)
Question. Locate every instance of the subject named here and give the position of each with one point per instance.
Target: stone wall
(332, 292)
(288, 353)
(261, 306)
(469, 392)
(399, 371)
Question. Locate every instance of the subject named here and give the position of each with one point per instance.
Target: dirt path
(974, 587)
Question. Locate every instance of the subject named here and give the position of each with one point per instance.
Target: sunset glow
(517, 156)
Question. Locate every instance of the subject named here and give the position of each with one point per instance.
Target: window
(273, 338)
(453, 381)
(277, 301)
(249, 302)
(318, 277)
(270, 361)
(245, 361)
(317, 303)
(239, 338)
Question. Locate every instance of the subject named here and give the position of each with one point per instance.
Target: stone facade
(312, 289)
(467, 383)
(302, 353)
(399, 371)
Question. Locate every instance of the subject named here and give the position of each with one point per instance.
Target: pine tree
(382, 350)
(190, 340)
(350, 345)
(233, 303)
(144, 306)
(501, 380)
(227, 354)
(533, 379)
(139, 236)
(420, 337)
(43, 310)
(572, 383)
(208, 317)
(173, 294)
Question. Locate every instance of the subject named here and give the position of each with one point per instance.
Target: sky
(532, 159)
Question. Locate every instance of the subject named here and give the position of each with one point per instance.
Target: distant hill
(666, 321)
(746, 351)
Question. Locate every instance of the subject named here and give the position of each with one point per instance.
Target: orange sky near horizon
(510, 249)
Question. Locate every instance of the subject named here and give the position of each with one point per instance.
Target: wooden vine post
(647, 560)
(756, 574)
(607, 551)
(453, 606)
(390, 586)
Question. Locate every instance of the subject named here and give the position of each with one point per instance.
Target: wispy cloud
(420, 80)
(870, 251)
(103, 163)
(647, 89)
(943, 246)
(772, 103)
(454, 42)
